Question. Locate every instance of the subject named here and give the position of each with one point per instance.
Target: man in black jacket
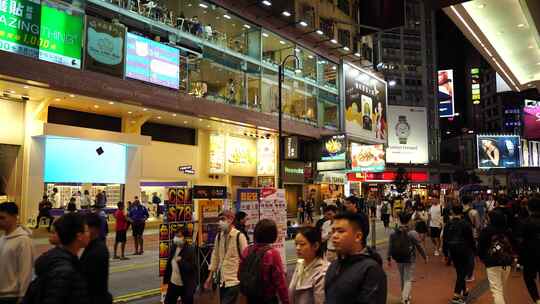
(95, 262)
(59, 278)
(357, 277)
(530, 248)
(181, 271)
(458, 241)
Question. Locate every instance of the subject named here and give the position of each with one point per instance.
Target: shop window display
(327, 74)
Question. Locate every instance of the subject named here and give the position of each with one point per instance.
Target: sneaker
(436, 253)
(471, 279)
(457, 300)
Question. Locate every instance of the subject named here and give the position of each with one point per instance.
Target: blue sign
(498, 151)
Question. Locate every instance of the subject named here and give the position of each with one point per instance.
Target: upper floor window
(344, 6)
(344, 37)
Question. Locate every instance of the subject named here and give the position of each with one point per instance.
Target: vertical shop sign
(475, 85)
(217, 153)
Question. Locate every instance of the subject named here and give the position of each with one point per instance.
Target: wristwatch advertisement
(403, 130)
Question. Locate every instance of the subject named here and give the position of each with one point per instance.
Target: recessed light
(265, 35)
(111, 102)
(481, 5)
(297, 50)
(72, 95)
(96, 106)
(286, 14)
(145, 109)
(521, 25)
(208, 126)
(310, 56)
(185, 121)
(57, 99)
(334, 68)
(159, 117)
(334, 41)
(357, 55)
(267, 3)
(303, 23)
(530, 46)
(133, 121)
(247, 26)
(538, 63)
(129, 112)
(203, 5)
(282, 42)
(227, 16)
(174, 115)
(346, 48)
(319, 32)
(25, 87)
(200, 119)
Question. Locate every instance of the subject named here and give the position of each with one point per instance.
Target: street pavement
(136, 281)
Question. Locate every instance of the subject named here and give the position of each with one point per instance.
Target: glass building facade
(227, 59)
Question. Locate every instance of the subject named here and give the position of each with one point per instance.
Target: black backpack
(250, 274)
(401, 246)
(500, 251)
(454, 235)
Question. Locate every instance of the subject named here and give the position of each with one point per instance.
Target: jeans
(174, 292)
(229, 295)
(530, 274)
(406, 273)
(497, 277)
(461, 262)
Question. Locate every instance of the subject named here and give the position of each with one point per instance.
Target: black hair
(313, 236)
(498, 219)
(93, 220)
(457, 209)
(9, 208)
(404, 217)
(358, 220)
(67, 226)
(45, 197)
(466, 200)
(86, 192)
(502, 200)
(183, 230)
(330, 208)
(120, 204)
(240, 215)
(71, 206)
(534, 204)
(265, 232)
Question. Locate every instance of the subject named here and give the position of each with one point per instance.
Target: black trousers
(530, 275)
(229, 295)
(174, 292)
(461, 262)
(471, 264)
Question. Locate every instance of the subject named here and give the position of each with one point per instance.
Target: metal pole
(280, 114)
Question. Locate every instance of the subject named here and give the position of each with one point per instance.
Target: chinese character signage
(475, 85)
(104, 46)
(19, 27)
(291, 147)
(334, 147)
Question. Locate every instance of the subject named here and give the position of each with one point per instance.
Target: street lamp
(281, 75)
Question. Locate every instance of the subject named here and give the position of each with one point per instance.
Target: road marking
(137, 295)
(125, 268)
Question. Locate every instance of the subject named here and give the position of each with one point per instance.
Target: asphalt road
(136, 281)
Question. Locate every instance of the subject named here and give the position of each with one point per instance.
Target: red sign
(387, 176)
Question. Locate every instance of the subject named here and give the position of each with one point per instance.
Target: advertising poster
(152, 62)
(531, 122)
(209, 212)
(475, 85)
(365, 105)
(104, 46)
(19, 27)
(274, 206)
(498, 151)
(217, 153)
(534, 156)
(525, 155)
(248, 201)
(241, 156)
(266, 156)
(367, 158)
(407, 135)
(446, 93)
(60, 36)
(334, 147)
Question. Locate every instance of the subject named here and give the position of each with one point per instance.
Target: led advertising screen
(367, 158)
(475, 85)
(531, 122)
(60, 35)
(19, 27)
(104, 46)
(498, 151)
(365, 104)
(152, 61)
(407, 135)
(446, 93)
(334, 147)
(70, 160)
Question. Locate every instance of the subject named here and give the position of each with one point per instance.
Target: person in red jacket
(261, 265)
(121, 231)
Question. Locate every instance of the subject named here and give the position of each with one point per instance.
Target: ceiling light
(286, 14)
(96, 106)
(448, 132)
(303, 23)
(71, 95)
(357, 55)
(538, 63)
(334, 41)
(111, 103)
(25, 87)
(247, 26)
(208, 126)
(203, 5)
(310, 56)
(227, 16)
(521, 25)
(11, 91)
(530, 46)
(297, 71)
(145, 109)
(129, 112)
(282, 42)
(346, 48)
(319, 32)
(57, 99)
(392, 83)
(133, 121)
(297, 50)
(334, 68)
(159, 117)
(267, 3)
(481, 5)
(185, 121)
(200, 119)
(174, 115)
(265, 35)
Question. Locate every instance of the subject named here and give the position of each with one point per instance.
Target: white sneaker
(471, 279)
(436, 253)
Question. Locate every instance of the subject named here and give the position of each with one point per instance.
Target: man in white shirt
(326, 232)
(436, 224)
(55, 198)
(228, 246)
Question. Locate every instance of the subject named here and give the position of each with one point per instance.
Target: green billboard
(60, 36)
(19, 27)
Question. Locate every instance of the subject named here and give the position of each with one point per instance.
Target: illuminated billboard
(531, 122)
(407, 135)
(498, 151)
(475, 85)
(446, 93)
(367, 158)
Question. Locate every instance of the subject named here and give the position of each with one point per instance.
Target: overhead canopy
(506, 33)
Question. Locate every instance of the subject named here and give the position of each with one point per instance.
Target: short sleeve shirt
(436, 216)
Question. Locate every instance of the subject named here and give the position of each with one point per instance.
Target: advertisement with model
(407, 135)
(446, 93)
(498, 151)
(531, 120)
(365, 104)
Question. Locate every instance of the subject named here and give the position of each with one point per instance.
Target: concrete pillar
(132, 124)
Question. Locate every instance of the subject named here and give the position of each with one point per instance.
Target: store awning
(506, 33)
(56, 130)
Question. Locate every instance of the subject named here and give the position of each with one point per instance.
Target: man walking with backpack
(402, 248)
(471, 216)
(458, 241)
(496, 251)
(228, 247)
